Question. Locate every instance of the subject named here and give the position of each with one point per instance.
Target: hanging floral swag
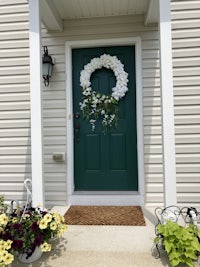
(96, 105)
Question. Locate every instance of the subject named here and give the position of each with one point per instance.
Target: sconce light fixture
(47, 66)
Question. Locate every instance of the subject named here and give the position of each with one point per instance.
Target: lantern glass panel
(45, 70)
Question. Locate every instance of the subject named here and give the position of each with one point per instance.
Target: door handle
(77, 131)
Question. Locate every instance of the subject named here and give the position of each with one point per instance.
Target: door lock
(77, 131)
(77, 115)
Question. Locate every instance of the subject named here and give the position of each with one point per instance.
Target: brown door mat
(105, 215)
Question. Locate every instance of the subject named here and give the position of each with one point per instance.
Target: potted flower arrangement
(24, 231)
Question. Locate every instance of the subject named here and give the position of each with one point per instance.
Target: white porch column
(168, 133)
(36, 102)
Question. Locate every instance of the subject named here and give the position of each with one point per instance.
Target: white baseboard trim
(102, 199)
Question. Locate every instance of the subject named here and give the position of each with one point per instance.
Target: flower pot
(35, 256)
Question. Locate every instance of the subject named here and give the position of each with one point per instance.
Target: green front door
(105, 162)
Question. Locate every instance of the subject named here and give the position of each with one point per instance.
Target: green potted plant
(180, 243)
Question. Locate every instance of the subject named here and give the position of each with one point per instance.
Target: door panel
(105, 162)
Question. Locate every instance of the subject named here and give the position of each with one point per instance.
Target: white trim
(50, 16)
(168, 132)
(152, 12)
(36, 102)
(104, 197)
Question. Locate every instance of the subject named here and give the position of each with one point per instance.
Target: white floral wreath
(97, 105)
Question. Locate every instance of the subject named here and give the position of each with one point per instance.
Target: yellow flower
(1, 229)
(57, 218)
(14, 220)
(61, 230)
(2, 248)
(53, 226)
(8, 258)
(43, 224)
(4, 254)
(3, 219)
(45, 247)
(62, 219)
(8, 244)
(26, 216)
(47, 217)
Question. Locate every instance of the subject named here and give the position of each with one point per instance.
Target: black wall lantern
(47, 66)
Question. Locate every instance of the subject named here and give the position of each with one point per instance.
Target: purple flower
(17, 226)
(38, 240)
(34, 226)
(17, 244)
(7, 235)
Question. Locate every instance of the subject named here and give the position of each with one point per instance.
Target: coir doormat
(105, 215)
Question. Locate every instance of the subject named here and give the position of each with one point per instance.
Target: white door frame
(104, 198)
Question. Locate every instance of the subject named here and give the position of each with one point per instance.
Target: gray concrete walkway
(103, 246)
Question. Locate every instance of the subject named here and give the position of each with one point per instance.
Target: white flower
(93, 105)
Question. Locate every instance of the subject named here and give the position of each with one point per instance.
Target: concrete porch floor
(103, 246)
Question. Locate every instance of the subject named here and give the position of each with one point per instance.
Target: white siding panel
(187, 138)
(7, 106)
(19, 7)
(185, 24)
(15, 62)
(15, 150)
(14, 18)
(186, 42)
(185, 52)
(15, 168)
(186, 32)
(186, 69)
(14, 26)
(185, 14)
(6, 124)
(6, 88)
(14, 114)
(186, 90)
(185, 5)
(189, 71)
(12, 52)
(14, 97)
(14, 70)
(15, 132)
(183, 62)
(54, 113)
(52, 177)
(50, 104)
(15, 159)
(54, 122)
(16, 44)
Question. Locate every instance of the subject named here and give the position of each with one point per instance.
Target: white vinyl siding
(15, 149)
(186, 71)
